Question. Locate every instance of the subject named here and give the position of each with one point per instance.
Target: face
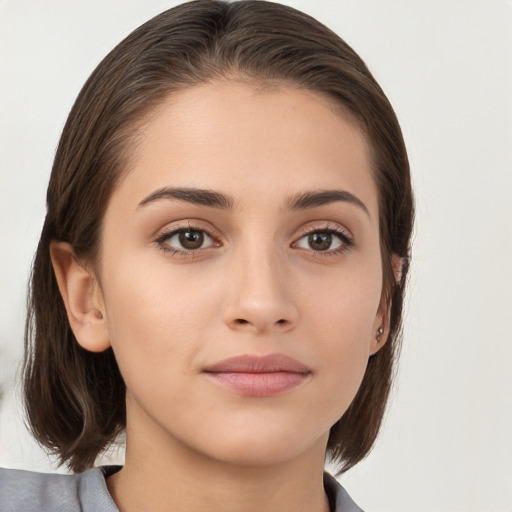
(240, 272)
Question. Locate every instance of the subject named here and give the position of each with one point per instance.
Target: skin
(256, 286)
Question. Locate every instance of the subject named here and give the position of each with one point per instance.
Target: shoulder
(29, 491)
(338, 497)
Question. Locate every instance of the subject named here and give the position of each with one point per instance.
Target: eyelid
(326, 226)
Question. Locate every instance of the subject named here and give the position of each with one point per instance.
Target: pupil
(320, 241)
(191, 239)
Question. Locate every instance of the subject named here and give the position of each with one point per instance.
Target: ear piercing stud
(380, 332)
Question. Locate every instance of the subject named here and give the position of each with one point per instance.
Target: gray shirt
(27, 491)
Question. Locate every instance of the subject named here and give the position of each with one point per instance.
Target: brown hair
(75, 399)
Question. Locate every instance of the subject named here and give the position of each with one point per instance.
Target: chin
(258, 448)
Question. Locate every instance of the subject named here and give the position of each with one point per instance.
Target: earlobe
(380, 327)
(82, 298)
(380, 336)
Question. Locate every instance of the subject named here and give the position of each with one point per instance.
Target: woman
(220, 272)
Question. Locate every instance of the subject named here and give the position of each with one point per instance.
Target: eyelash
(346, 239)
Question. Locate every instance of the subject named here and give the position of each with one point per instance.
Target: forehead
(249, 141)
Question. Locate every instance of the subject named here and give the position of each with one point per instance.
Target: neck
(165, 475)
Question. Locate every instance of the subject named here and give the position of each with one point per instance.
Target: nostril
(243, 321)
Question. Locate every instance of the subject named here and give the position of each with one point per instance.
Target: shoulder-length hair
(75, 399)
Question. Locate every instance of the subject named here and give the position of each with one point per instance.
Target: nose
(261, 295)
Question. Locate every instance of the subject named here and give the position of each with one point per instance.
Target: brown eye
(191, 239)
(185, 239)
(325, 240)
(320, 241)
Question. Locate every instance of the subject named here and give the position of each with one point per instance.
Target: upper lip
(252, 363)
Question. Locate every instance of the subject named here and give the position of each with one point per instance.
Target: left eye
(188, 239)
(321, 241)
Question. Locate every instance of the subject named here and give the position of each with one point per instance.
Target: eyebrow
(300, 201)
(190, 195)
(317, 198)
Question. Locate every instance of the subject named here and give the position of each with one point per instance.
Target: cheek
(153, 297)
(343, 317)
(154, 315)
(346, 302)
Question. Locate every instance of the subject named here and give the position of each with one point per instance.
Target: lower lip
(259, 384)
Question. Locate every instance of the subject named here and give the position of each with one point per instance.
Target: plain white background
(446, 66)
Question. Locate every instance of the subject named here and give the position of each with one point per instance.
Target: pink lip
(260, 376)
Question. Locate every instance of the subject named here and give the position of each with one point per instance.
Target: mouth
(259, 376)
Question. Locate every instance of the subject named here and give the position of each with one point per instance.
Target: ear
(397, 263)
(382, 319)
(82, 296)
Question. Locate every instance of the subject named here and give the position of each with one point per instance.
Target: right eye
(185, 240)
